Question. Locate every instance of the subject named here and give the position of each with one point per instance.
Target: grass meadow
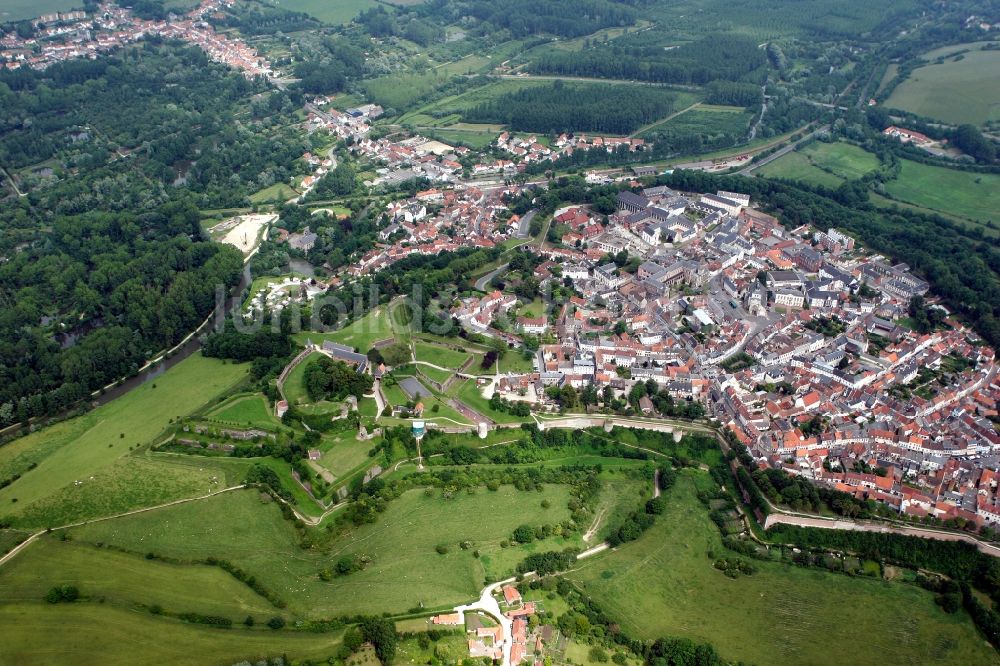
(360, 334)
(82, 466)
(664, 584)
(245, 410)
(826, 164)
(405, 569)
(964, 88)
(973, 196)
(85, 633)
(438, 355)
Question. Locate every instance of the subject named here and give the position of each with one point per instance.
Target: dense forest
(104, 261)
(644, 57)
(162, 114)
(97, 298)
(515, 19)
(565, 108)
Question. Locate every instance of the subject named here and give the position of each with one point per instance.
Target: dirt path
(661, 121)
(592, 530)
(24, 544)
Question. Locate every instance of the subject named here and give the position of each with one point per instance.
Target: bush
(66, 593)
(276, 622)
(599, 654)
(441, 549)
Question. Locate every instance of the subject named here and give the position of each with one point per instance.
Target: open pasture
(89, 446)
(405, 570)
(826, 164)
(664, 584)
(963, 89)
(973, 196)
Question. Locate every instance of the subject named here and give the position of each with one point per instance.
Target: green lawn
(360, 334)
(345, 454)
(405, 568)
(439, 355)
(974, 196)
(97, 443)
(333, 12)
(279, 192)
(472, 395)
(294, 386)
(245, 410)
(965, 90)
(664, 584)
(827, 164)
(128, 580)
(88, 633)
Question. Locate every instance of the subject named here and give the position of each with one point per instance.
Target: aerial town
(70, 35)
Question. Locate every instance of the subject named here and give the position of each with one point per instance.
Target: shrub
(276, 622)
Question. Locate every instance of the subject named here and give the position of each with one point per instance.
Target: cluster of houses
(525, 150)
(436, 221)
(71, 35)
(486, 638)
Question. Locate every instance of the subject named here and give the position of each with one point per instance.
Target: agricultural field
(965, 88)
(973, 196)
(826, 164)
(332, 12)
(709, 121)
(664, 584)
(82, 464)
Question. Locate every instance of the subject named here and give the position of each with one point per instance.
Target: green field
(334, 12)
(709, 121)
(93, 450)
(17, 10)
(963, 89)
(247, 410)
(974, 196)
(438, 355)
(279, 192)
(93, 633)
(405, 568)
(471, 395)
(128, 580)
(360, 334)
(294, 387)
(664, 584)
(345, 454)
(826, 164)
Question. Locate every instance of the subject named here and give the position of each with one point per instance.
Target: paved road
(485, 280)
(775, 518)
(489, 605)
(523, 229)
